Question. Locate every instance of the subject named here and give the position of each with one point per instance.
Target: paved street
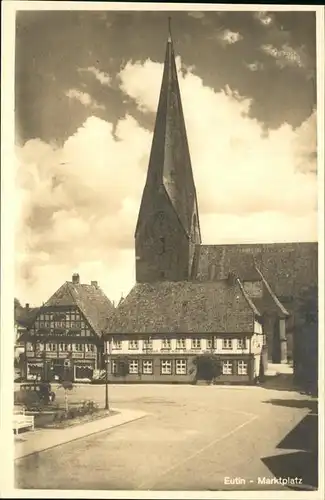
(193, 438)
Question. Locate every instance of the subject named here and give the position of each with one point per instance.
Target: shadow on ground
(302, 464)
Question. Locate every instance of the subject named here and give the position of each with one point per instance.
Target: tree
(306, 339)
(208, 367)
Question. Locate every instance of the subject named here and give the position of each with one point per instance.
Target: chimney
(75, 279)
(94, 283)
(27, 307)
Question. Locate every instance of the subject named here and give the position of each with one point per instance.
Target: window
(116, 345)
(166, 344)
(29, 346)
(226, 367)
(51, 347)
(77, 347)
(181, 366)
(147, 344)
(147, 367)
(196, 343)
(166, 367)
(241, 343)
(63, 347)
(90, 347)
(133, 344)
(133, 366)
(58, 324)
(242, 368)
(181, 344)
(226, 343)
(210, 343)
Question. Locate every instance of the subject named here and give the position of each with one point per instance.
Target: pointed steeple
(170, 162)
(170, 185)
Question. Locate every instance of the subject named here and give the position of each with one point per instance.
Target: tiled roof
(170, 163)
(180, 307)
(287, 267)
(90, 299)
(25, 317)
(264, 303)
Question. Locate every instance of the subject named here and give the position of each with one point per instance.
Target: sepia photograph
(165, 308)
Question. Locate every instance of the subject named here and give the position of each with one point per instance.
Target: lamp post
(107, 352)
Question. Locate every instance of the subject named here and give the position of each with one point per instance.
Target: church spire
(169, 30)
(170, 183)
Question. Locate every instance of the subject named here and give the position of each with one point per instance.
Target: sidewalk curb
(137, 415)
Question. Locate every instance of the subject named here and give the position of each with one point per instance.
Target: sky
(87, 86)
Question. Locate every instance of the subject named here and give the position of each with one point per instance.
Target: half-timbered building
(66, 334)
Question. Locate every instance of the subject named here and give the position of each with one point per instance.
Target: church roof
(90, 299)
(264, 304)
(287, 267)
(170, 169)
(181, 307)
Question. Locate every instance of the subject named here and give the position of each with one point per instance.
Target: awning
(35, 365)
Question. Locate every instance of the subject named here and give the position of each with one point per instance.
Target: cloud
(255, 66)
(84, 98)
(196, 14)
(102, 77)
(77, 205)
(264, 17)
(227, 37)
(286, 55)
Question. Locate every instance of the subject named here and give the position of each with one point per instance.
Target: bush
(208, 367)
(60, 416)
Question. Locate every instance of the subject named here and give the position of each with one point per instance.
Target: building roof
(287, 267)
(170, 168)
(25, 316)
(184, 307)
(90, 299)
(264, 304)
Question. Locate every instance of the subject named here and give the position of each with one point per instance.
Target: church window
(147, 366)
(181, 366)
(226, 343)
(226, 367)
(133, 366)
(133, 344)
(166, 367)
(196, 343)
(242, 368)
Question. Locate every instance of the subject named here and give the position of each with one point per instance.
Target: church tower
(168, 226)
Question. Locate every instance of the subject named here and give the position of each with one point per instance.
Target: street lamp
(107, 353)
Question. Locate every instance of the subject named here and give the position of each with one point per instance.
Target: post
(106, 378)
